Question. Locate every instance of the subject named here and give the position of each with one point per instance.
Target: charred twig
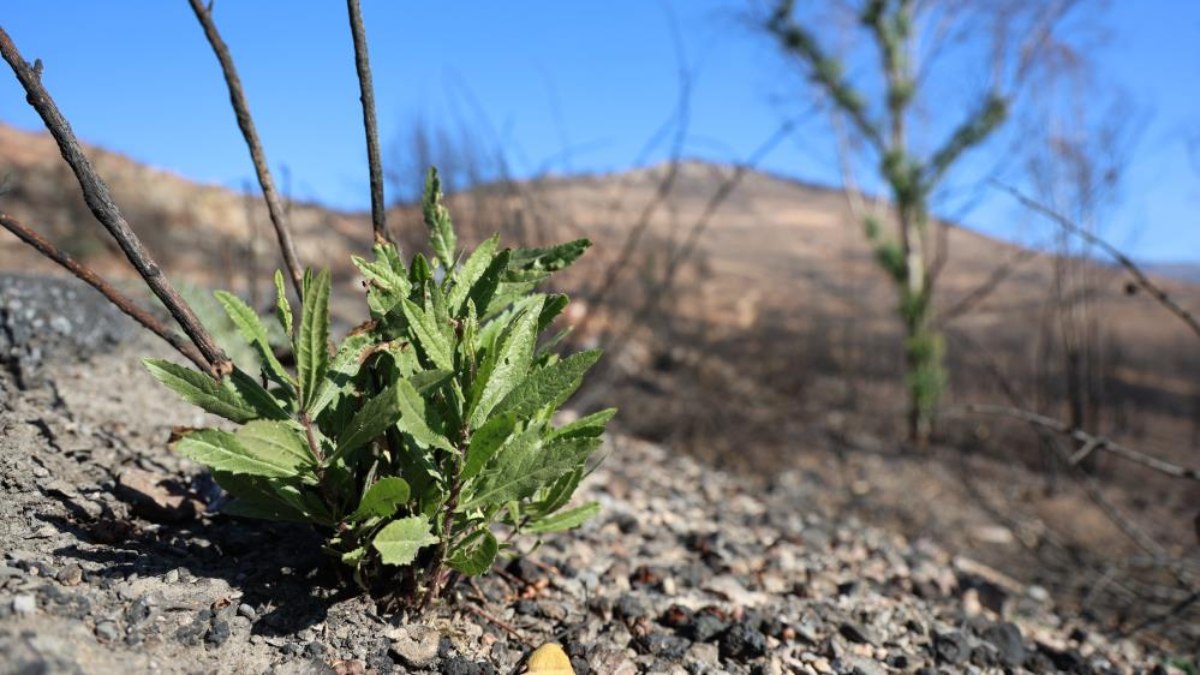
(123, 302)
(486, 616)
(237, 98)
(1139, 277)
(1088, 439)
(102, 206)
(362, 62)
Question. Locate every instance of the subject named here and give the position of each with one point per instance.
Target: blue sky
(576, 86)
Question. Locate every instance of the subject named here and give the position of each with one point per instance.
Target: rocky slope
(112, 562)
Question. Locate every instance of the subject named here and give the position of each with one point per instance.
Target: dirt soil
(113, 558)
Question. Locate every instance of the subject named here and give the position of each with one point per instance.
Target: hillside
(775, 349)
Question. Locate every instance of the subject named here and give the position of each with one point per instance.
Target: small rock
(157, 497)
(743, 642)
(107, 631)
(415, 646)
(704, 654)
(71, 575)
(951, 648)
(24, 604)
(1006, 638)
(247, 611)
(464, 666)
(219, 633)
(856, 633)
(705, 626)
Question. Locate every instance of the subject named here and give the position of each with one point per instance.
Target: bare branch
(970, 133)
(362, 62)
(101, 204)
(1087, 439)
(1139, 276)
(122, 302)
(824, 70)
(237, 98)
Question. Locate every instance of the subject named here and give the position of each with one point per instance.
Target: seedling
(425, 430)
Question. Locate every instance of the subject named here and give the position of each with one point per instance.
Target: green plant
(427, 426)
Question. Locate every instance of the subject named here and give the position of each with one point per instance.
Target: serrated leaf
(506, 366)
(476, 554)
(524, 465)
(382, 499)
(484, 443)
(283, 308)
(429, 335)
(341, 370)
(280, 442)
(312, 341)
(550, 259)
(412, 418)
(470, 273)
(590, 426)
(222, 451)
(262, 401)
(441, 231)
(559, 493)
(565, 520)
(425, 380)
(252, 330)
(551, 385)
(400, 540)
(376, 415)
(201, 390)
(484, 289)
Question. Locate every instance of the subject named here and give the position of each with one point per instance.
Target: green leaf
(382, 499)
(283, 308)
(201, 390)
(429, 335)
(590, 426)
(506, 366)
(549, 259)
(376, 415)
(484, 443)
(341, 370)
(551, 385)
(222, 451)
(475, 555)
(279, 442)
(251, 328)
(271, 499)
(466, 276)
(412, 418)
(262, 401)
(525, 465)
(565, 520)
(425, 380)
(312, 342)
(399, 541)
(484, 289)
(437, 219)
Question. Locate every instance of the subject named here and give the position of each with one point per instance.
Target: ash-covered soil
(112, 560)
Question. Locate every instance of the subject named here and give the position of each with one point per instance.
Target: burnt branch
(122, 302)
(362, 62)
(1139, 277)
(237, 97)
(100, 201)
(1091, 442)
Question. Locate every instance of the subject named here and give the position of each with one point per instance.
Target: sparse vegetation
(422, 429)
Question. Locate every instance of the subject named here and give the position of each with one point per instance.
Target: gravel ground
(111, 562)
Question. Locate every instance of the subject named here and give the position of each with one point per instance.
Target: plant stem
(439, 562)
(102, 206)
(122, 302)
(362, 62)
(237, 97)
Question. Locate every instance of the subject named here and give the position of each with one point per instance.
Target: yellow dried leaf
(549, 659)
